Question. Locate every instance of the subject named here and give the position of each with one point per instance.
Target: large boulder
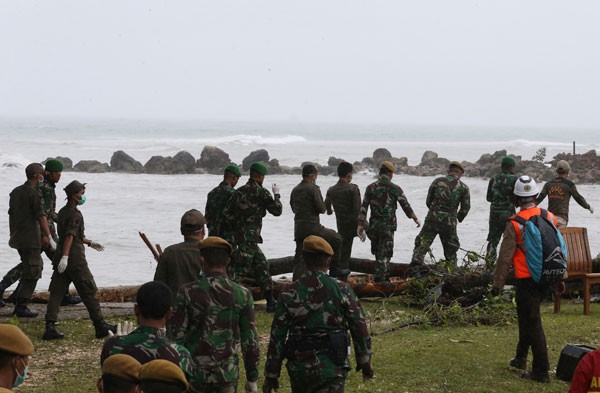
(123, 162)
(213, 159)
(157, 164)
(381, 154)
(257, 155)
(91, 166)
(182, 162)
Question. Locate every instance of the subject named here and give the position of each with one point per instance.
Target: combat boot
(22, 311)
(271, 302)
(519, 363)
(340, 274)
(69, 300)
(103, 329)
(51, 333)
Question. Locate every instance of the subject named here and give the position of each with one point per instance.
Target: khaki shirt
(178, 265)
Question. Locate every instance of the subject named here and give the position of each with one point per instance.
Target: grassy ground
(416, 359)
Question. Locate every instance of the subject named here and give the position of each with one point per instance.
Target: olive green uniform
(178, 265)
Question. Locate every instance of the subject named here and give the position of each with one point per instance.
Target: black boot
(271, 302)
(22, 311)
(340, 274)
(51, 333)
(102, 328)
(69, 300)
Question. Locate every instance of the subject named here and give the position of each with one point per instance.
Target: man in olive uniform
(120, 374)
(29, 233)
(180, 263)
(449, 201)
(214, 318)
(345, 199)
(383, 198)
(502, 205)
(244, 213)
(559, 191)
(148, 342)
(15, 349)
(216, 200)
(310, 328)
(70, 265)
(307, 204)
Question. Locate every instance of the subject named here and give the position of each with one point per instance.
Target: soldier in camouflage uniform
(307, 203)
(449, 201)
(214, 319)
(149, 341)
(383, 198)
(310, 328)
(345, 199)
(500, 195)
(244, 213)
(217, 199)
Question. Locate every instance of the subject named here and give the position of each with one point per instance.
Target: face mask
(21, 378)
(81, 201)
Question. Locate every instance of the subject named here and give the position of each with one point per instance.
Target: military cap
(162, 370)
(192, 220)
(214, 242)
(233, 169)
(563, 166)
(508, 161)
(316, 244)
(13, 340)
(259, 167)
(54, 166)
(34, 169)
(122, 366)
(389, 166)
(74, 187)
(4, 390)
(456, 164)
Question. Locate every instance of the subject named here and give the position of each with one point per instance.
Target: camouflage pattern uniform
(345, 198)
(500, 195)
(383, 198)
(147, 343)
(178, 265)
(244, 213)
(215, 204)
(559, 191)
(446, 195)
(309, 310)
(214, 319)
(307, 204)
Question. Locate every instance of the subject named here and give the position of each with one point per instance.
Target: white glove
(362, 235)
(123, 329)
(51, 244)
(96, 246)
(591, 209)
(275, 189)
(251, 387)
(62, 265)
(416, 220)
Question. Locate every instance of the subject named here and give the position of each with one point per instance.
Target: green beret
(456, 164)
(317, 245)
(192, 220)
(233, 169)
(74, 187)
(389, 166)
(508, 161)
(214, 242)
(13, 340)
(122, 366)
(54, 166)
(34, 169)
(162, 370)
(259, 167)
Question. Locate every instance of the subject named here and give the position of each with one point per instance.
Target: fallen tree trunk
(285, 265)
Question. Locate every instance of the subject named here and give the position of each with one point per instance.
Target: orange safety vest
(519, 262)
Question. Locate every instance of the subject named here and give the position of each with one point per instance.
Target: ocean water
(119, 205)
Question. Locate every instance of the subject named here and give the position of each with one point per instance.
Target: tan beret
(162, 370)
(458, 165)
(316, 244)
(122, 366)
(3, 390)
(389, 166)
(13, 340)
(214, 242)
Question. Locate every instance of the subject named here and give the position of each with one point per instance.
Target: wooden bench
(579, 264)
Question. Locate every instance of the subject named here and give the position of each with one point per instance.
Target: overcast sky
(451, 62)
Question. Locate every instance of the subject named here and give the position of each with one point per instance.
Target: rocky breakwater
(585, 168)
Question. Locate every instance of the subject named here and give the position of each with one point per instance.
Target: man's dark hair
(215, 256)
(344, 168)
(5, 358)
(154, 299)
(115, 384)
(154, 386)
(308, 170)
(314, 260)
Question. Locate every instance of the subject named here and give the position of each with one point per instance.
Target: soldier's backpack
(544, 248)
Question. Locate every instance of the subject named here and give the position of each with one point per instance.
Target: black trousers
(529, 296)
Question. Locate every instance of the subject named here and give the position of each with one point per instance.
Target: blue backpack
(544, 248)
